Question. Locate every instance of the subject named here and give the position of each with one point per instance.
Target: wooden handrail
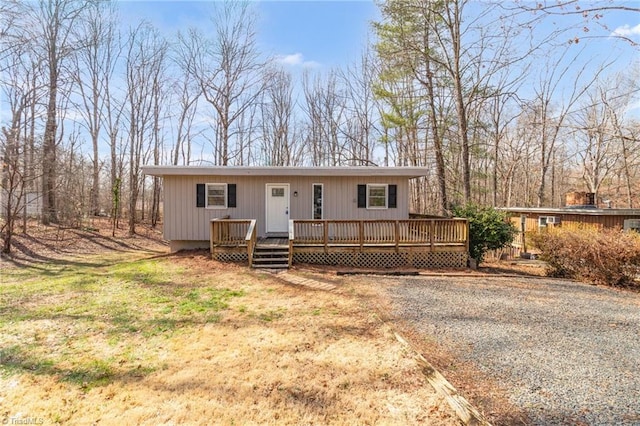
(391, 233)
(229, 231)
(250, 240)
(251, 232)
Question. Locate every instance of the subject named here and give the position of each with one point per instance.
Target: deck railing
(241, 234)
(379, 233)
(230, 233)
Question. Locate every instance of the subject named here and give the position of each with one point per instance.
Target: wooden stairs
(271, 253)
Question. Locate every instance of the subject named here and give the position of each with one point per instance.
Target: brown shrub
(608, 257)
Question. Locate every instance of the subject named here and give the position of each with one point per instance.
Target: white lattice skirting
(231, 257)
(424, 260)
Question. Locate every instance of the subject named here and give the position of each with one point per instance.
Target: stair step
(272, 266)
(271, 257)
(272, 260)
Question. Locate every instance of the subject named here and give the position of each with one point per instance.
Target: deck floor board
(272, 242)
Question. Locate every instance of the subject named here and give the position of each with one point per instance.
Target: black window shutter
(362, 196)
(231, 195)
(393, 196)
(200, 195)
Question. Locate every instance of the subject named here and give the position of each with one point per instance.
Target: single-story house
(332, 208)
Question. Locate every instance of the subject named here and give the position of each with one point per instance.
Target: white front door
(277, 208)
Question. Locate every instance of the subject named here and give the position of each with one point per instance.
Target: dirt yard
(101, 330)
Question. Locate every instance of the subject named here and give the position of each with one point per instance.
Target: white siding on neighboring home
(33, 199)
(186, 222)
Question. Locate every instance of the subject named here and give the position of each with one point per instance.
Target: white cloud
(296, 59)
(626, 31)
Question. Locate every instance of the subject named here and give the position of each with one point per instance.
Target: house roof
(572, 211)
(409, 172)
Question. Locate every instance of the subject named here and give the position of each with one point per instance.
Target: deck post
(325, 236)
(467, 235)
(397, 235)
(432, 231)
(212, 237)
(250, 241)
(291, 239)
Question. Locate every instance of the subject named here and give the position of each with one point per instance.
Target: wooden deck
(379, 243)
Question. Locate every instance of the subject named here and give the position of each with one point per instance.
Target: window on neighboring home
(377, 196)
(217, 195)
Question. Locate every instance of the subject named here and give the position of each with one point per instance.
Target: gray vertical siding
(184, 221)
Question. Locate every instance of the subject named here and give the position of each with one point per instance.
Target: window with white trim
(216, 195)
(317, 207)
(377, 196)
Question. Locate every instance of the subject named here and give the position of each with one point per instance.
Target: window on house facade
(217, 195)
(377, 196)
(317, 207)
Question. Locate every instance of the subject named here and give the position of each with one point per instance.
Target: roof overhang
(571, 211)
(408, 172)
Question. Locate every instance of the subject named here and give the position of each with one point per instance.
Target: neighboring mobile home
(536, 218)
(277, 198)
(580, 212)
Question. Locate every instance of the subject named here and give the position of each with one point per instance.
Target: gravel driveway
(569, 353)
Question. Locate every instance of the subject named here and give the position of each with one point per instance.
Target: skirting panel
(231, 257)
(421, 260)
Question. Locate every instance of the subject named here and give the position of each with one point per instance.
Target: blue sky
(300, 33)
(327, 34)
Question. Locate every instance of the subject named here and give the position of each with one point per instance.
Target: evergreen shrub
(489, 229)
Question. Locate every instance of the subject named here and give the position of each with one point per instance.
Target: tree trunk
(49, 212)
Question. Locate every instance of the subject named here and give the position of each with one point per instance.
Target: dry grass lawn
(133, 337)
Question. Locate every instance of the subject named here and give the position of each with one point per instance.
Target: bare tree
(159, 95)
(277, 114)
(94, 65)
(20, 91)
(502, 114)
(615, 98)
(549, 117)
(146, 55)
(22, 83)
(324, 106)
(10, 11)
(189, 92)
(228, 70)
(595, 142)
(50, 27)
(361, 132)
